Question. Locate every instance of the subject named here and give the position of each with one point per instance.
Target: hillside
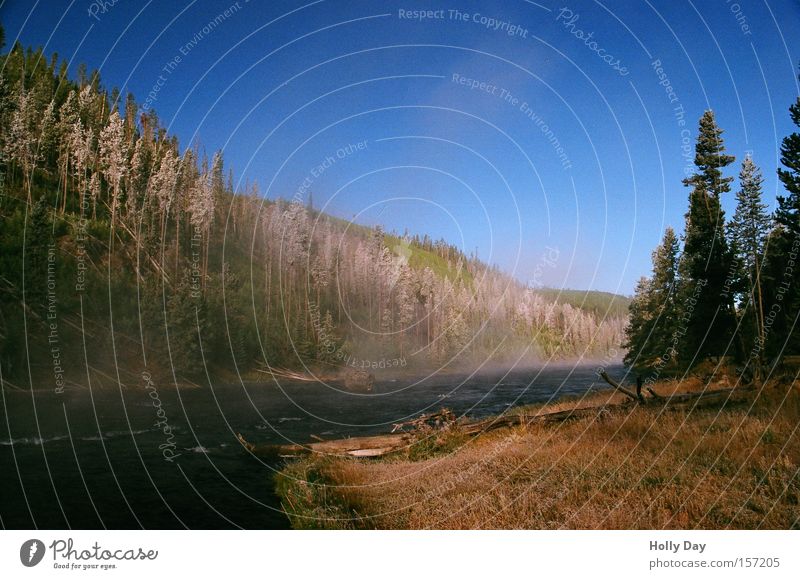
(597, 302)
(123, 252)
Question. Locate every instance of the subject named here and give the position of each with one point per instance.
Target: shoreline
(696, 462)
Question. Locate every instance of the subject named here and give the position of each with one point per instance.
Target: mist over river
(157, 457)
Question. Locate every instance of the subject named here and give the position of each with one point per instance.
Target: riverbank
(730, 465)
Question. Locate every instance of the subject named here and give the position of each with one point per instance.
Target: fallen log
(362, 446)
(619, 387)
(381, 445)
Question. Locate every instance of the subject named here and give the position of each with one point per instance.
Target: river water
(157, 457)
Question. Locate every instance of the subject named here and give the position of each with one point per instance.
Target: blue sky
(289, 89)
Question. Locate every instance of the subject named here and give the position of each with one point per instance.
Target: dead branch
(619, 387)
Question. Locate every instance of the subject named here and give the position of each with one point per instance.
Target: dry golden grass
(632, 468)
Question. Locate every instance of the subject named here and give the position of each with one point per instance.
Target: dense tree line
(731, 291)
(117, 244)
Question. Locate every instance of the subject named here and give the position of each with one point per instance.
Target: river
(158, 457)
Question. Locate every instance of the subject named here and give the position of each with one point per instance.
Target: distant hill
(597, 302)
(123, 252)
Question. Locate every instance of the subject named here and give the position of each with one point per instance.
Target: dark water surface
(100, 459)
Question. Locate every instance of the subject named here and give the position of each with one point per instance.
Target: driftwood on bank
(381, 445)
(638, 397)
(362, 446)
(438, 420)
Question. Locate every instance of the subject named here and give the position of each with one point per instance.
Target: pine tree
(217, 182)
(664, 299)
(640, 316)
(137, 181)
(782, 275)
(79, 147)
(201, 211)
(709, 316)
(201, 203)
(21, 143)
(68, 119)
(48, 133)
(113, 158)
(163, 183)
(748, 232)
(654, 311)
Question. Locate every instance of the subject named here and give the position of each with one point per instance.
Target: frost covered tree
(163, 184)
(79, 146)
(137, 181)
(201, 204)
(68, 119)
(21, 141)
(113, 159)
(201, 214)
(31, 136)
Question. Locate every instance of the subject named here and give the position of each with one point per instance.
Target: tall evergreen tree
(654, 311)
(748, 232)
(782, 275)
(664, 296)
(709, 319)
(113, 159)
(639, 323)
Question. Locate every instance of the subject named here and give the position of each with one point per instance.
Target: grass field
(730, 466)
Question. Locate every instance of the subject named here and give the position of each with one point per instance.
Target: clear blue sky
(281, 86)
